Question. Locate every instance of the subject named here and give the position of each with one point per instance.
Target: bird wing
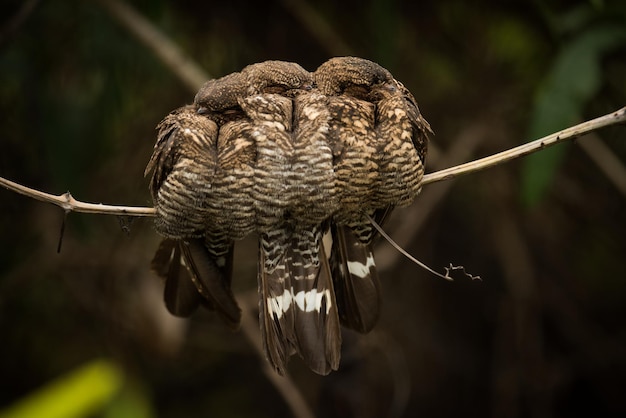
(181, 296)
(210, 281)
(316, 319)
(276, 312)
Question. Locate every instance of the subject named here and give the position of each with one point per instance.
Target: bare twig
(614, 118)
(167, 51)
(402, 251)
(66, 202)
(416, 215)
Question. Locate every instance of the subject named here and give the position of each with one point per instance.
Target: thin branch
(66, 202)
(402, 251)
(614, 118)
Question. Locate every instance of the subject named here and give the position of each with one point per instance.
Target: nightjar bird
(288, 155)
(203, 171)
(183, 165)
(379, 141)
(294, 196)
(261, 173)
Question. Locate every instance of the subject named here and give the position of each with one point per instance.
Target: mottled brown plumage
(289, 155)
(183, 166)
(294, 194)
(379, 142)
(403, 139)
(265, 175)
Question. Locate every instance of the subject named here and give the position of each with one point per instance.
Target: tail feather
(210, 280)
(276, 313)
(317, 326)
(181, 296)
(356, 280)
(298, 312)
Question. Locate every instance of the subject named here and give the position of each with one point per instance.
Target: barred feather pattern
(271, 115)
(297, 307)
(289, 155)
(184, 165)
(294, 193)
(181, 181)
(353, 140)
(311, 183)
(378, 167)
(232, 209)
(402, 131)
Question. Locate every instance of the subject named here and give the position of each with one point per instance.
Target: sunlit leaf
(75, 394)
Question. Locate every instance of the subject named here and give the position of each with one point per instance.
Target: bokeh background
(84, 331)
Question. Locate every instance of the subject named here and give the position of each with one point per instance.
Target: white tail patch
(356, 268)
(278, 305)
(306, 301)
(312, 300)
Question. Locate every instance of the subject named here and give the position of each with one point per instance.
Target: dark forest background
(543, 334)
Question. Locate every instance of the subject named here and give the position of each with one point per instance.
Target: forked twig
(405, 253)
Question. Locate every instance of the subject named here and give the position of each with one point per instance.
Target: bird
(296, 196)
(294, 193)
(291, 156)
(183, 165)
(379, 141)
(260, 174)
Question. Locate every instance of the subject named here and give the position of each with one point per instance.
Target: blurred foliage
(543, 335)
(77, 394)
(92, 388)
(575, 77)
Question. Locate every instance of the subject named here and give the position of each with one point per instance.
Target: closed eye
(275, 89)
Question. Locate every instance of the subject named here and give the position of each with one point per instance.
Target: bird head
(277, 77)
(220, 94)
(355, 77)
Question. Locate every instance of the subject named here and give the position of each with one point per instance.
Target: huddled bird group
(291, 156)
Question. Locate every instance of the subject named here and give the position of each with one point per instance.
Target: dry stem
(69, 204)
(613, 118)
(66, 202)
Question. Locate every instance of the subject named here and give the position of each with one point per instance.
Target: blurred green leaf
(76, 394)
(573, 80)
